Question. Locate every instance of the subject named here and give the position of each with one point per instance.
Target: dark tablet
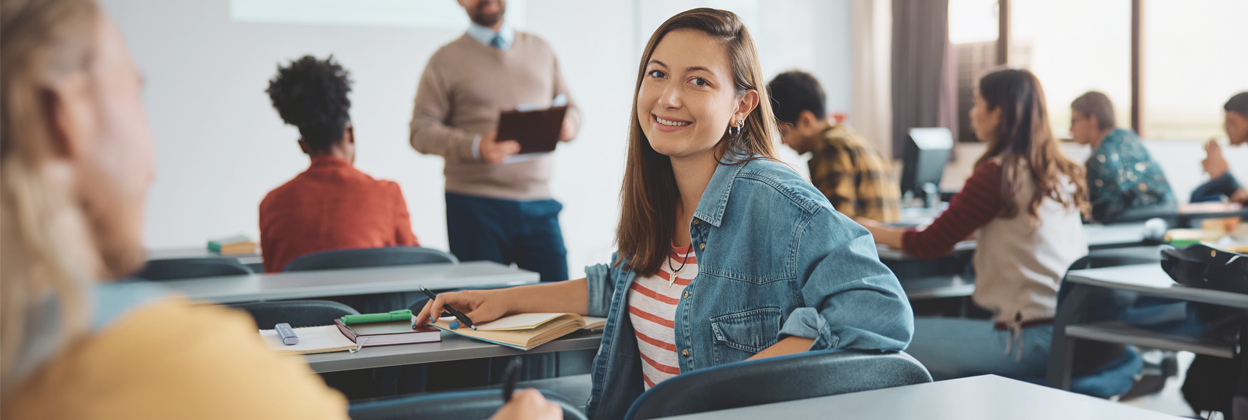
(537, 131)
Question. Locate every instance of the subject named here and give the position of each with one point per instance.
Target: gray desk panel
(937, 287)
(452, 347)
(201, 252)
(359, 281)
(981, 397)
(1152, 280)
(1112, 333)
(1097, 237)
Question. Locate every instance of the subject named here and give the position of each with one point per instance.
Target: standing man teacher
(498, 206)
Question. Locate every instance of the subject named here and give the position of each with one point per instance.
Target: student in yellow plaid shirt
(857, 180)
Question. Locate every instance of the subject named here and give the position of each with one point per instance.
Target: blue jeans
(507, 231)
(959, 347)
(1215, 189)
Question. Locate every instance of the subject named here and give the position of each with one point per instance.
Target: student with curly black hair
(332, 205)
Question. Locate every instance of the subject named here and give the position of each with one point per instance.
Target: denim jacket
(774, 260)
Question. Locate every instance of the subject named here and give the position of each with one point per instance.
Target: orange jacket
(330, 206)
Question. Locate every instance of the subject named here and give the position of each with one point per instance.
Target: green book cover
(214, 245)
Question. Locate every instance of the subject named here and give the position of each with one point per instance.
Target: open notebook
(526, 331)
(323, 339)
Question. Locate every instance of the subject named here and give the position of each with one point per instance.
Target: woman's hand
(883, 234)
(528, 404)
(480, 306)
(1214, 163)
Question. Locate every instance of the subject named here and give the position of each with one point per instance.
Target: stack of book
(233, 245)
(340, 336)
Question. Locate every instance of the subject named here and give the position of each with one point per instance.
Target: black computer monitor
(924, 159)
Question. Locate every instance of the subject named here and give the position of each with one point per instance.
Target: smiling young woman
(724, 254)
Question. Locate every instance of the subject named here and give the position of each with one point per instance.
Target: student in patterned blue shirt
(1121, 174)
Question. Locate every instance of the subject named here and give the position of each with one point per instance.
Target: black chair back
(188, 268)
(455, 405)
(369, 257)
(297, 313)
(777, 379)
(1089, 356)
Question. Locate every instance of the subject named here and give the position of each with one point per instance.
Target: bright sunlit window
(1075, 46)
(1194, 61)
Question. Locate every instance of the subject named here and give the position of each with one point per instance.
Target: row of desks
(317, 284)
(936, 400)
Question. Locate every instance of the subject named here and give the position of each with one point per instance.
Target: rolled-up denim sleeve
(852, 301)
(601, 288)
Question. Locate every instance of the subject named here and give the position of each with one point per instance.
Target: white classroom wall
(220, 146)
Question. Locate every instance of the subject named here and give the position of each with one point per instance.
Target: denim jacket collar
(715, 198)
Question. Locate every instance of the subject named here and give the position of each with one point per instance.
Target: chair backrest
(187, 268)
(369, 257)
(455, 405)
(297, 313)
(777, 379)
(1089, 355)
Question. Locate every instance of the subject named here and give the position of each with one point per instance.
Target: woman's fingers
(423, 317)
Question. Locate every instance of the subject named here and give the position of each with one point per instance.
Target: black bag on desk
(1211, 381)
(1205, 267)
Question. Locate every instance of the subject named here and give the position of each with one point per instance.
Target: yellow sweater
(172, 360)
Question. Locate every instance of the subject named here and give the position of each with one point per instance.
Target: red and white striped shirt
(652, 308)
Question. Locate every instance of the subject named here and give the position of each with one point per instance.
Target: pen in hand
(463, 319)
(510, 375)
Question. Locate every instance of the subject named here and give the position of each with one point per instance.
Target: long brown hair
(649, 196)
(1025, 143)
(48, 253)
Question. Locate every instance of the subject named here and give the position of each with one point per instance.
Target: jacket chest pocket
(743, 334)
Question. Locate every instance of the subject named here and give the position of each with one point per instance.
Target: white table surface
(982, 397)
(200, 252)
(347, 282)
(452, 347)
(1151, 279)
(1097, 236)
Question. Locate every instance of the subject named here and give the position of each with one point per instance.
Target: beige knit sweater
(464, 87)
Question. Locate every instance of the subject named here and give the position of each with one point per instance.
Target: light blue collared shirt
(486, 35)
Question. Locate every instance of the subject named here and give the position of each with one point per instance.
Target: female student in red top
(1025, 199)
(332, 205)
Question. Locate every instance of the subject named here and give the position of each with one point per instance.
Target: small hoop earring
(735, 130)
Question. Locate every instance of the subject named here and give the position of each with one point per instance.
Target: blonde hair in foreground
(47, 248)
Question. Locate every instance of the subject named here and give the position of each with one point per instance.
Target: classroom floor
(1170, 399)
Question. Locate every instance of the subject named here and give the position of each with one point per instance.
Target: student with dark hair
(332, 205)
(1222, 183)
(1024, 199)
(725, 254)
(1121, 174)
(847, 170)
